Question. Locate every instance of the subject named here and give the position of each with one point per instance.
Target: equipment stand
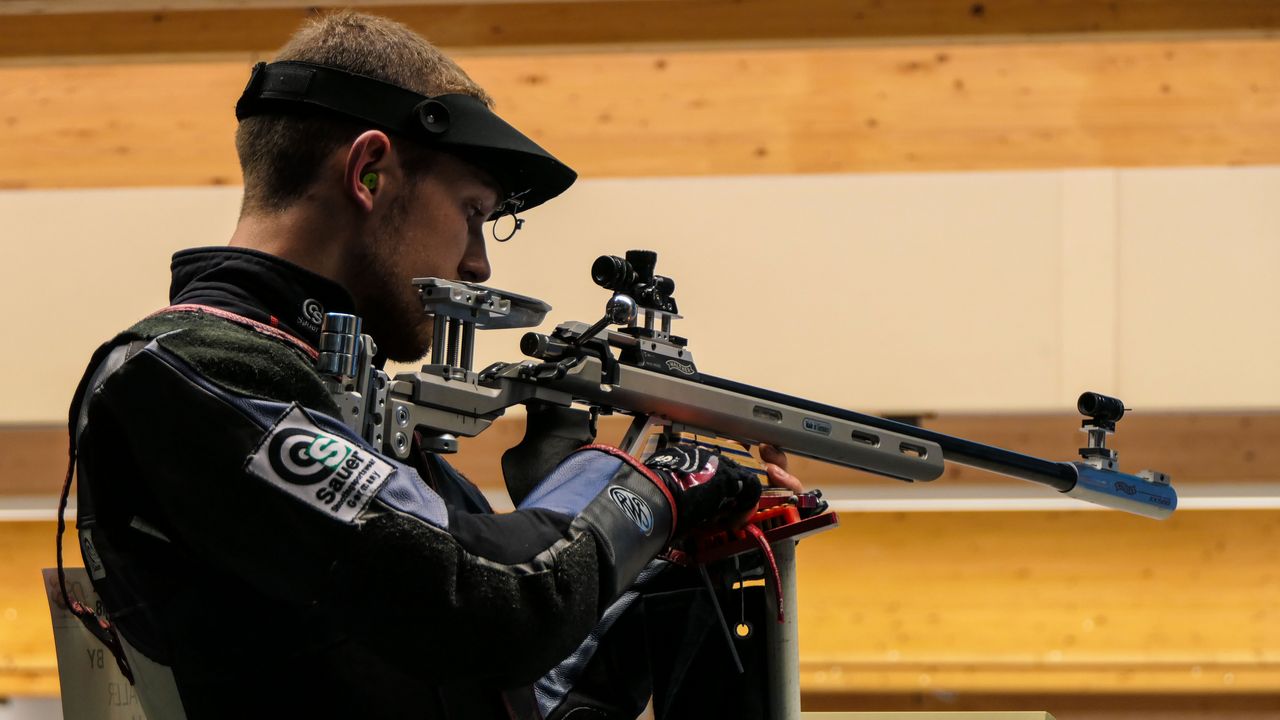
(783, 639)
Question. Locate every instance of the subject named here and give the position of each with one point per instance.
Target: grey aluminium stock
(641, 369)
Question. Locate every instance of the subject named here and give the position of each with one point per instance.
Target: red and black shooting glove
(706, 486)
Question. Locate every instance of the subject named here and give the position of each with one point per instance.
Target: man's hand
(775, 466)
(706, 486)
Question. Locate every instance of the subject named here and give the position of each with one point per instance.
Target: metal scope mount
(638, 294)
(1102, 412)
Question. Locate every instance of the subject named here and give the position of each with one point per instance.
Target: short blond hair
(280, 155)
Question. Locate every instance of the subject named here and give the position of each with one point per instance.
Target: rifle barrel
(1060, 476)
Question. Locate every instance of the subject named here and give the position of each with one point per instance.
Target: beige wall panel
(769, 269)
(946, 292)
(1198, 304)
(1089, 283)
(77, 267)
(874, 291)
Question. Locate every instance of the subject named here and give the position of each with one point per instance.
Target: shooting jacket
(259, 559)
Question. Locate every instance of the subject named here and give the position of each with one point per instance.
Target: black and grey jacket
(248, 546)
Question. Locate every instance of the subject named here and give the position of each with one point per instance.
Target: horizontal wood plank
(1194, 448)
(1110, 706)
(33, 460)
(76, 7)
(1190, 447)
(28, 662)
(714, 113)
(558, 25)
(1042, 602)
(952, 603)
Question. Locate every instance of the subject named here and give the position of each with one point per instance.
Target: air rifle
(643, 370)
(630, 362)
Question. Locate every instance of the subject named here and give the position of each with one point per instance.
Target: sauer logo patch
(306, 457)
(324, 470)
(634, 507)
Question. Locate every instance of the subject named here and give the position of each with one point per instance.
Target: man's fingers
(772, 455)
(775, 465)
(779, 477)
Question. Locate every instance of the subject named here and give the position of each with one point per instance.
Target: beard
(386, 301)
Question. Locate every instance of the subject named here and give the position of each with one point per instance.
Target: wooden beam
(1131, 706)
(709, 113)
(1195, 448)
(78, 7)
(1041, 602)
(952, 603)
(559, 25)
(28, 663)
(1191, 447)
(33, 460)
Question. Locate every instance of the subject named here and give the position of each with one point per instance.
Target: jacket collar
(258, 286)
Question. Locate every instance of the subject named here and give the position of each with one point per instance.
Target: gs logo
(313, 312)
(306, 457)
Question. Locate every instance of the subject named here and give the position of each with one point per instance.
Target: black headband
(455, 123)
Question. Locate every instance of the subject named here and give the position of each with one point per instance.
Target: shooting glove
(551, 434)
(706, 486)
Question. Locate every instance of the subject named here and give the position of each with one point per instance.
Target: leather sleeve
(292, 502)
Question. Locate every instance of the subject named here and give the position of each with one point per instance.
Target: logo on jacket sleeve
(327, 471)
(303, 456)
(634, 507)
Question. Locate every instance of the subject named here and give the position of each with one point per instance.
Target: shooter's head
(389, 156)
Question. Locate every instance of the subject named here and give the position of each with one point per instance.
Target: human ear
(366, 170)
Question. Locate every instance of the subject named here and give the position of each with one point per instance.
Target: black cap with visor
(455, 123)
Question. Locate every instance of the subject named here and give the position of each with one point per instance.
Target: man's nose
(475, 266)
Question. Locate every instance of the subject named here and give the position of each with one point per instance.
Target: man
(246, 574)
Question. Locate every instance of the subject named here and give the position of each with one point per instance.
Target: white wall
(951, 291)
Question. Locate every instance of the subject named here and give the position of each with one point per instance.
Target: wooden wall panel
(834, 110)
(1042, 602)
(560, 25)
(949, 604)
(1091, 706)
(28, 663)
(1195, 448)
(30, 458)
